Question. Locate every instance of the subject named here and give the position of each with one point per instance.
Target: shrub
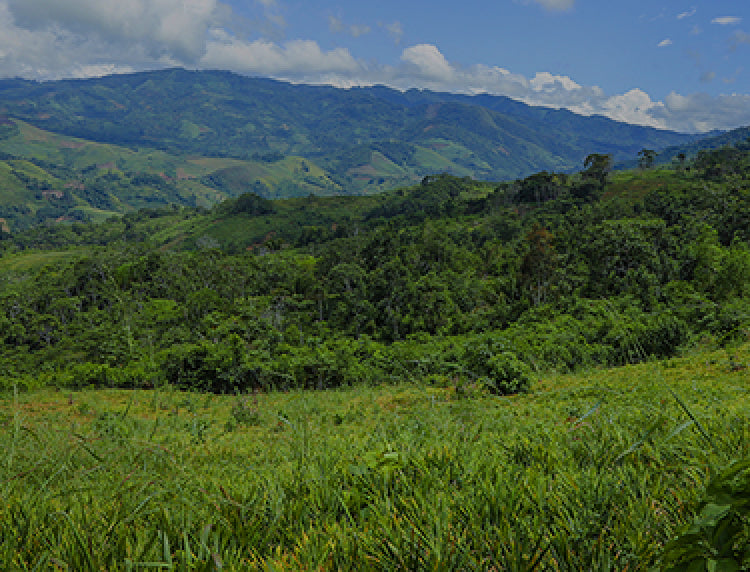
(205, 366)
(92, 375)
(507, 374)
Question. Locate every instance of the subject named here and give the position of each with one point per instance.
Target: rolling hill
(47, 177)
(367, 139)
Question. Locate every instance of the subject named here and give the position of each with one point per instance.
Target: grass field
(594, 471)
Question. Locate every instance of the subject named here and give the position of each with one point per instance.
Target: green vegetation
(160, 373)
(449, 277)
(364, 139)
(47, 178)
(595, 471)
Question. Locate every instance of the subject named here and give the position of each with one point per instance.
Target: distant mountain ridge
(366, 139)
(707, 142)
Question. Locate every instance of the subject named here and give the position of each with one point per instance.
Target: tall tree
(646, 158)
(597, 167)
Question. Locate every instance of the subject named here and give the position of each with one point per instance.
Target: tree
(597, 167)
(646, 158)
(539, 187)
(681, 158)
(539, 264)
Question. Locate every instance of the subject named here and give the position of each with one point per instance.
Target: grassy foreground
(596, 471)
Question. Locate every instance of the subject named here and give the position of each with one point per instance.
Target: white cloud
(664, 43)
(687, 14)
(427, 62)
(702, 112)
(634, 106)
(546, 82)
(396, 31)
(53, 52)
(159, 27)
(272, 12)
(336, 25)
(297, 57)
(357, 31)
(726, 20)
(99, 70)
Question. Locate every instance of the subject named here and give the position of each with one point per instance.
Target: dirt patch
(71, 144)
(53, 194)
(432, 110)
(103, 166)
(364, 170)
(4, 226)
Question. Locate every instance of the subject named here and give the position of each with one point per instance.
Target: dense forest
(452, 279)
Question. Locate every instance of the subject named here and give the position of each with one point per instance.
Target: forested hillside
(484, 283)
(364, 139)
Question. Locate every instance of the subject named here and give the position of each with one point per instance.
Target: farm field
(597, 470)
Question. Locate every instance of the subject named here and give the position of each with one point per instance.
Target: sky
(672, 64)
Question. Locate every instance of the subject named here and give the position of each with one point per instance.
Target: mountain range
(90, 148)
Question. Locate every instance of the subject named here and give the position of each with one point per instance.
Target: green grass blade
(695, 420)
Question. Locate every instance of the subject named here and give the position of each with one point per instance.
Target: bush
(205, 366)
(92, 375)
(488, 359)
(507, 374)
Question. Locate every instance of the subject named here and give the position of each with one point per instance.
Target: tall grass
(590, 472)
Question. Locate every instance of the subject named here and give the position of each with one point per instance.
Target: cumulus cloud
(426, 61)
(548, 83)
(726, 20)
(664, 43)
(295, 57)
(159, 27)
(702, 112)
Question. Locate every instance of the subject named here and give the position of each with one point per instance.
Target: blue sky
(674, 64)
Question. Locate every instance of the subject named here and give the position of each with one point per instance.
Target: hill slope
(48, 177)
(367, 139)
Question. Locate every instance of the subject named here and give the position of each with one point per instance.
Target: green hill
(47, 177)
(366, 139)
